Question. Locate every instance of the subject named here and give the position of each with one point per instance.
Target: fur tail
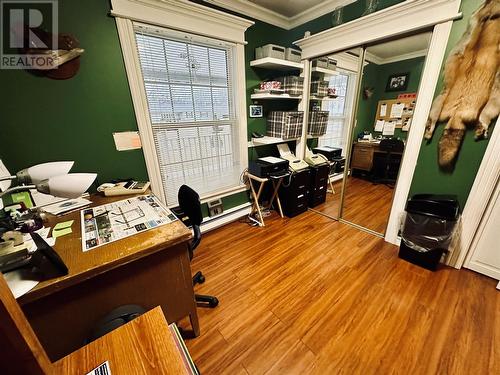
(450, 142)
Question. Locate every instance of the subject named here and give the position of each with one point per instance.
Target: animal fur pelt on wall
(471, 93)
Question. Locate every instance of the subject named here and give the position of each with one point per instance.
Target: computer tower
(293, 193)
(318, 183)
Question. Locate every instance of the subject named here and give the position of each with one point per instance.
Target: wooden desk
(149, 269)
(362, 155)
(143, 346)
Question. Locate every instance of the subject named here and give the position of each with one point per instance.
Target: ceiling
(287, 8)
(286, 14)
(399, 49)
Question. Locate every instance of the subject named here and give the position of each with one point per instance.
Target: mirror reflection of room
(339, 105)
(388, 95)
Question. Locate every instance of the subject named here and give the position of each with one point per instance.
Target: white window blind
(339, 110)
(188, 81)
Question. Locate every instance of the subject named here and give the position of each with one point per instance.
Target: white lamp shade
(44, 171)
(70, 185)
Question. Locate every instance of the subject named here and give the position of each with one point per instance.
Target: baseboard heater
(229, 215)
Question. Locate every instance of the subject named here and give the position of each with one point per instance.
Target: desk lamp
(52, 178)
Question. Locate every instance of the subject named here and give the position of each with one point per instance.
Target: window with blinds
(339, 109)
(188, 82)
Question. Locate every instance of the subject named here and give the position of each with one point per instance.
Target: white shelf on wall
(325, 71)
(276, 64)
(255, 142)
(274, 96)
(325, 98)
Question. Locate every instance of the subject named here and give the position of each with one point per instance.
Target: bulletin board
(403, 109)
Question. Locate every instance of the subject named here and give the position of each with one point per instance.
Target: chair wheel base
(206, 301)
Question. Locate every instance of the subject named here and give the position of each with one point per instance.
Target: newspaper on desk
(113, 221)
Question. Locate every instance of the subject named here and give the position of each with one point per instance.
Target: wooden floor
(312, 296)
(366, 203)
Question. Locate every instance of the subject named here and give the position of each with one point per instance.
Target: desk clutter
(113, 221)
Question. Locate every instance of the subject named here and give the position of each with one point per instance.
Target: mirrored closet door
(369, 118)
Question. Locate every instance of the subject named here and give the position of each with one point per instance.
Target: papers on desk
(117, 220)
(66, 206)
(389, 127)
(20, 281)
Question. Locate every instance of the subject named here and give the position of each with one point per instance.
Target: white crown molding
(253, 10)
(405, 56)
(185, 16)
(317, 11)
(347, 61)
(260, 13)
(401, 18)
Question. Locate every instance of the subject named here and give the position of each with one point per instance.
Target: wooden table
(363, 155)
(150, 268)
(143, 346)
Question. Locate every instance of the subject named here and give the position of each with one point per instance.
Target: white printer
(314, 159)
(295, 164)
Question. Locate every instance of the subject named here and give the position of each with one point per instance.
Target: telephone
(295, 164)
(124, 188)
(315, 159)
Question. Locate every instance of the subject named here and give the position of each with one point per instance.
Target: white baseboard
(232, 214)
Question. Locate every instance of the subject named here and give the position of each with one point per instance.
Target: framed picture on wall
(256, 111)
(398, 82)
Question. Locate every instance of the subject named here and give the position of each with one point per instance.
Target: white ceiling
(399, 49)
(286, 14)
(287, 8)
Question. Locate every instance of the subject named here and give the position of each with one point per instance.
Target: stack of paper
(66, 206)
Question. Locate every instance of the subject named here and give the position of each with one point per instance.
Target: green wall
(428, 177)
(46, 120)
(376, 76)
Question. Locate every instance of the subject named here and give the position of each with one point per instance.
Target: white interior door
(484, 254)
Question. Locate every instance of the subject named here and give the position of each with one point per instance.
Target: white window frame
(349, 102)
(192, 18)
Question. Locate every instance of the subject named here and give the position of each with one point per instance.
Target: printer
(295, 164)
(314, 159)
(269, 166)
(334, 156)
(331, 153)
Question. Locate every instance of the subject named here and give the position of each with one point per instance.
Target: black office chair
(386, 164)
(189, 203)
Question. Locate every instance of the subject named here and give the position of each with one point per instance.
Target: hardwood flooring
(309, 295)
(366, 204)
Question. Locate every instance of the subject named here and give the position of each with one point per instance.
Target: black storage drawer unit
(318, 184)
(293, 196)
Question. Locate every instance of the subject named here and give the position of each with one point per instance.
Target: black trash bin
(428, 228)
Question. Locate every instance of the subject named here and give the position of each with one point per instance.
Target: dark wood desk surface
(148, 269)
(143, 346)
(84, 265)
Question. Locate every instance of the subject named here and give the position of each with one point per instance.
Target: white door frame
(479, 197)
(408, 16)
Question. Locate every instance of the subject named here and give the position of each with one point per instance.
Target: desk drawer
(362, 158)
